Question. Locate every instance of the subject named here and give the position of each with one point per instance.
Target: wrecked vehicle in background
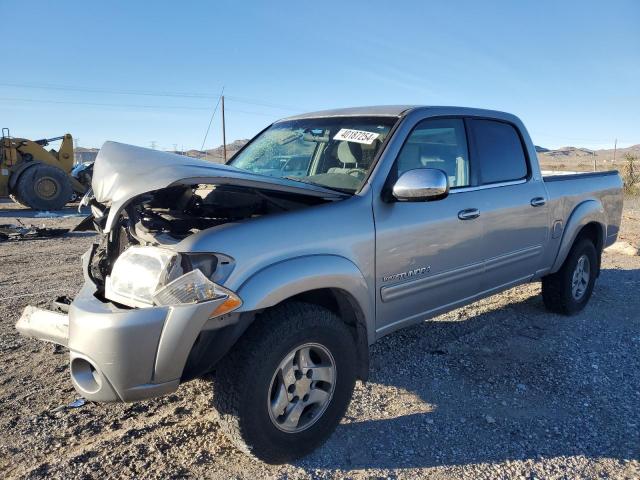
(82, 172)
(279, 279)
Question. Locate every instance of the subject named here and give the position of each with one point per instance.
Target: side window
(437, 143)
(498, 151)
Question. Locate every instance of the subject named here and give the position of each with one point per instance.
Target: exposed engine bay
(166, 216)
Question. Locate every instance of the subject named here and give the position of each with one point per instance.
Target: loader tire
(44, 187)
(285, 386)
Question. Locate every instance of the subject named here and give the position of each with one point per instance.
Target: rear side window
(498, 151)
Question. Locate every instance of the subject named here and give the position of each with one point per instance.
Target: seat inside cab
(431, 150)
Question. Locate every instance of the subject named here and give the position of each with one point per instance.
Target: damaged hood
(122, 172)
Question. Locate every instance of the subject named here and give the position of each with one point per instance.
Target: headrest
(349, 152)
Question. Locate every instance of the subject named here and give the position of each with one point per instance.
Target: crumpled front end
(150, 315)
(126, 354)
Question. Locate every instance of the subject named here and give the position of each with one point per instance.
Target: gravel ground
(498, 389)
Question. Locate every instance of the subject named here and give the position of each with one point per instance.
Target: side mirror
(421, 184)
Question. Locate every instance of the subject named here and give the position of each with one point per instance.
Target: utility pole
(224, 135)
(615, 149)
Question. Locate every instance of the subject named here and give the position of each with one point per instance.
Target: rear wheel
(287, 383)
(569, 289)
(44, 187)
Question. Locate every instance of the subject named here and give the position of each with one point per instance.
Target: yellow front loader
(37, 177)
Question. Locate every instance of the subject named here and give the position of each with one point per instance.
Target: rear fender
(586, 212)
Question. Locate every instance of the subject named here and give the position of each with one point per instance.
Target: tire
(44, 187)
(559, 292)
(248, 382)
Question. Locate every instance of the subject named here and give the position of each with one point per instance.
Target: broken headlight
(194, 287)
(143, 276)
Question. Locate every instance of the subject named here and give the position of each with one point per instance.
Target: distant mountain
(234, 146)
(216, 154)
(569, 151)
(541, 149)
(585, 159)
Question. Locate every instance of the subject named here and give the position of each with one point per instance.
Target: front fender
(586, 212)
(283, 280)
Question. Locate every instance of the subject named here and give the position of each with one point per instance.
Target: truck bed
(559, 175)
(567, 191)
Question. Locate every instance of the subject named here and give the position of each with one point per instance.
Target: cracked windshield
(337, 153)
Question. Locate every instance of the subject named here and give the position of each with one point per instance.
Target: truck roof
(372, 111)
(394, 111)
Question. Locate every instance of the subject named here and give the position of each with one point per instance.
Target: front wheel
(569, 289)
(287, 383)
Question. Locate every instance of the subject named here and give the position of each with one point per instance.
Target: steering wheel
(355, 172)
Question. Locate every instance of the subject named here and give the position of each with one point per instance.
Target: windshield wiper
(335, 189)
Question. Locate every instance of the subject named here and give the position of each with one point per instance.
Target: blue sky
(139, 72)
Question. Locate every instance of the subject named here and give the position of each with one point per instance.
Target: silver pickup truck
(327, 231)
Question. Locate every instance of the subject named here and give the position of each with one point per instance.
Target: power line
(261, 103)
(110, 91)
(100, 104)
(133, 105)
(148, 93)
(250, 112)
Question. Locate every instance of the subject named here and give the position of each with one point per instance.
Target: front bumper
(121, 354)
(45, 325)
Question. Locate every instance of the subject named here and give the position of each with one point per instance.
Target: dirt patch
(498, 389)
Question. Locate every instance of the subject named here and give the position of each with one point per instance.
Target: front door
(429, 255)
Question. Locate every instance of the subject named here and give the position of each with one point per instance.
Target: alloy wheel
(301, 387)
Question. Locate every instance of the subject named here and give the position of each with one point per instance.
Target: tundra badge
(404, 275)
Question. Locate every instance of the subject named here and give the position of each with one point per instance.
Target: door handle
(468, 214)
(538, 201)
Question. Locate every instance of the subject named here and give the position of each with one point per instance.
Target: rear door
(514, 211)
